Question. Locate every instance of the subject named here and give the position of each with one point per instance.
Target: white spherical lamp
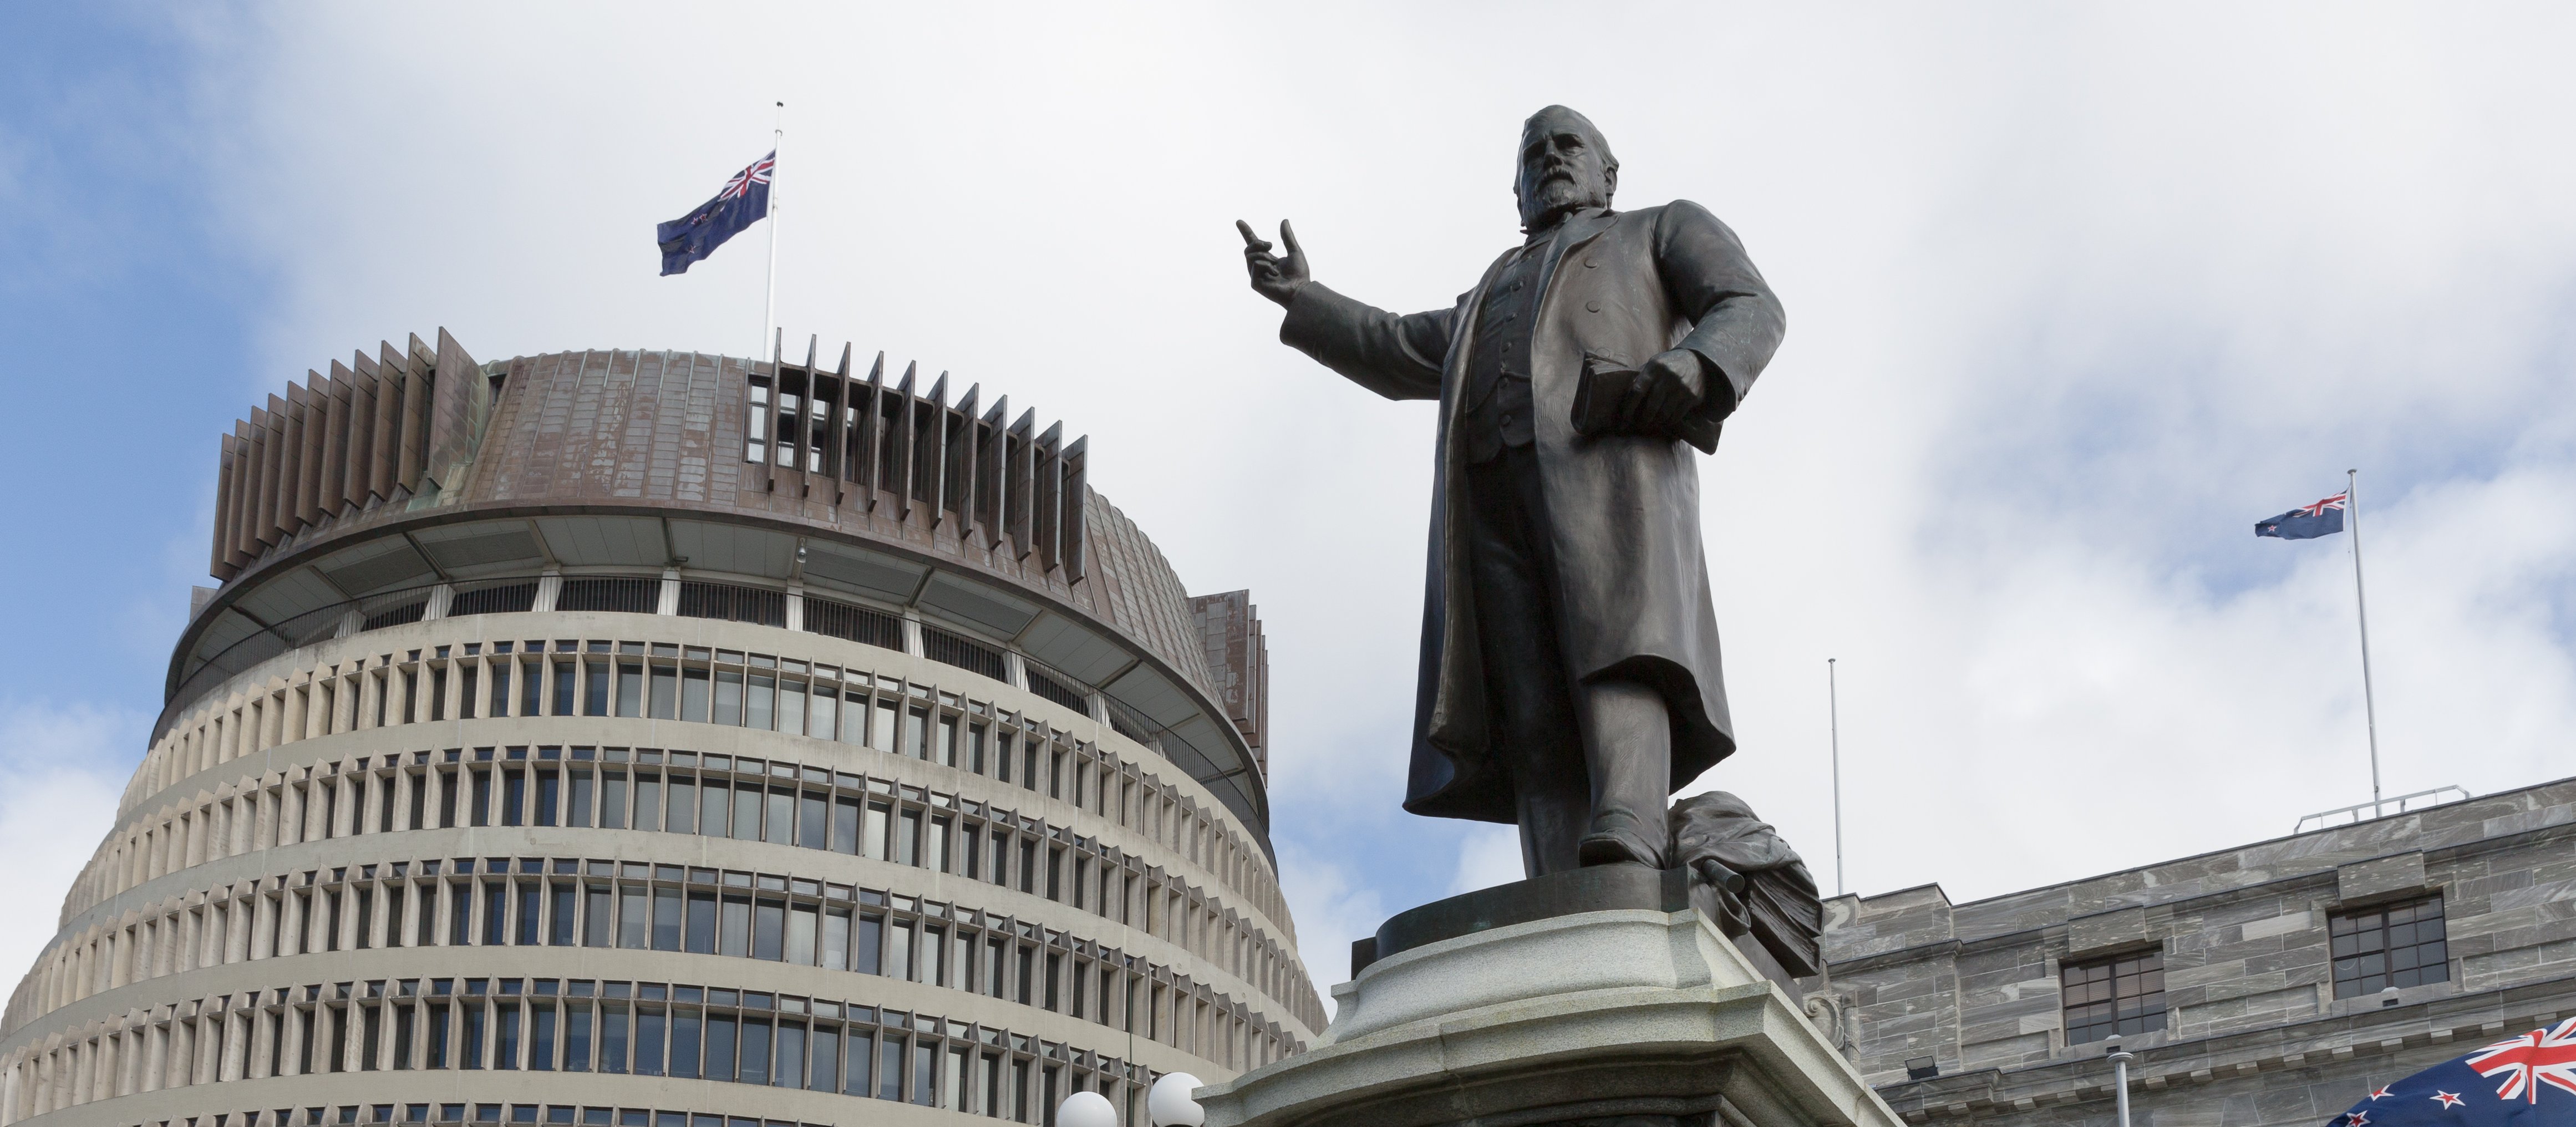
(1086, 1109)
(1169, 1102)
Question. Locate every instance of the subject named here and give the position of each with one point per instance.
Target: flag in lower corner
(2526, 1081)
(2307, 522)
(743, 202)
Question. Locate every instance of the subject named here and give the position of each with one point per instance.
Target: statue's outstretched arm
(1397, 356)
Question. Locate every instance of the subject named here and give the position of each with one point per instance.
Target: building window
(2389, 945)
(2124, 995)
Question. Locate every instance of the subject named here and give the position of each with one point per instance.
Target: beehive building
(671, 740)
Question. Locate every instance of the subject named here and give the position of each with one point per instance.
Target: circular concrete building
(671, 740)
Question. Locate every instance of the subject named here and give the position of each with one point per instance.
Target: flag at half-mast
(2307, 522)
(743, 202)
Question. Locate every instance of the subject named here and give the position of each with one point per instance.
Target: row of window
(696, 684)
(654, 1030)
(2374, 948)
(476, 1113)
(749, 799)
(566, 902)
(643, 1029)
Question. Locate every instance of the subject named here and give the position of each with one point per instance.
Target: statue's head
(1565, 165)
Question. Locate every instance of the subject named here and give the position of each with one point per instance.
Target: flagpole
(769, 304)
(2369, 708)
(1834, 726)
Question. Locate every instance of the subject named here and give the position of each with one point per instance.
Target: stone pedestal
(1628, 1009)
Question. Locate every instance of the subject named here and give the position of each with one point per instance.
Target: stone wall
(2254, 1032)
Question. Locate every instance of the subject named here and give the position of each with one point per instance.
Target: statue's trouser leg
(1529, 698)
(1628, 753)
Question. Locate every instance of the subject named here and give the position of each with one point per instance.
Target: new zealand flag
(2307, 522)
(2526, 1081)
(743, 202)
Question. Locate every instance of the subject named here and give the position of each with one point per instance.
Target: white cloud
(2074, 294)
(62, 770)
(1332, 906)
(1491, 855)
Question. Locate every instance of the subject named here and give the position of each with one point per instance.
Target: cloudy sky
(2075, 295)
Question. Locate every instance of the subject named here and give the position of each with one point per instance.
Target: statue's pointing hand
(1277, 277)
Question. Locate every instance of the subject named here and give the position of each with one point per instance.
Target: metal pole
(1127, 1068)
(2120, 1059)
(2369, 707)
(1834, 726)
(769, 305)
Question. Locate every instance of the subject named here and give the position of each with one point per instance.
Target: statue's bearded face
(1564, 167)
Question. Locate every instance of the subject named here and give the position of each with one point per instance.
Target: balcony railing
(2365, 811)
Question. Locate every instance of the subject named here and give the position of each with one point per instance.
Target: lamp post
(2119, 1059)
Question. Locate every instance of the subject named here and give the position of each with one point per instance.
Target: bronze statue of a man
(1569, 646)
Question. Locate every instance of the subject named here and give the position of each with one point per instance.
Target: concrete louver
(997, 479)
(383, 430)
(371, 432)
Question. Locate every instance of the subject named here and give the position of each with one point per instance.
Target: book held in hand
(1605, 386)
(1598, 394)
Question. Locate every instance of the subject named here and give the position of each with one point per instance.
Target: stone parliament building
(2275, 983)
(669, 740)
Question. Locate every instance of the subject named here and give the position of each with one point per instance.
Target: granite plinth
(1598, 888)
(1638, 1015)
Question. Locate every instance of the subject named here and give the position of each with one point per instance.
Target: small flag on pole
(743, 202)
(2526, 1081)
(2307, 522)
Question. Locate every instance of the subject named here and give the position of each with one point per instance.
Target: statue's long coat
(1622, 511)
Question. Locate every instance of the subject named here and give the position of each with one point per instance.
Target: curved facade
(667, 739)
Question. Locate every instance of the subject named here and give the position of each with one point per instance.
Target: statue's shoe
(1618, 839)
